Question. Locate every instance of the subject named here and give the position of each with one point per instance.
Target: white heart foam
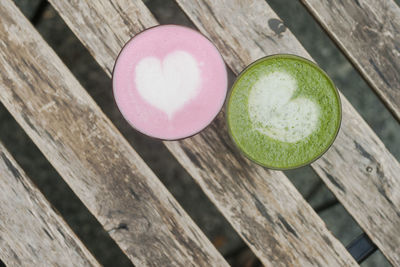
(169, 84)
(275, 114)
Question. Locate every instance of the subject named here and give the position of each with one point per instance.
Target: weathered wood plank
(91, 155)
(263, 206)
(368, 32)
(358, 168)
(31, 232)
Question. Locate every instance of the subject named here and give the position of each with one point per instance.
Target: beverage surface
(283, 112)
(169, 82)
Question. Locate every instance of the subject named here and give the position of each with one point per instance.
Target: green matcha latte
(283, 112)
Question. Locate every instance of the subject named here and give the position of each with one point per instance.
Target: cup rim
(167, 139)
(287, 56)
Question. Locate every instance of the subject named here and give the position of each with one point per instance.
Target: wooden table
(128, 199)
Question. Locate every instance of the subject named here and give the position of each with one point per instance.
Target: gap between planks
(368, 32)
(31, 232)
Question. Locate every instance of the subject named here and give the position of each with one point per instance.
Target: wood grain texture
(31, 232)
(91, 155)
(368, 32)
(263, 206)
(358, 168)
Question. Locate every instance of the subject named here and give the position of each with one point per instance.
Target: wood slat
(263, 206)
(31, 232)
(358, 168)
(91, 155)
(368, 32)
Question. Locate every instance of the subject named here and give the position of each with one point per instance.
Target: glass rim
(155, 137)
(287, 56)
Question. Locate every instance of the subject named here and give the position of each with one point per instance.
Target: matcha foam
(283, 112)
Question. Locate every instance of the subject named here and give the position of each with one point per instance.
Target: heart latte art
(283, 112)
(169, 84)
(276, 113)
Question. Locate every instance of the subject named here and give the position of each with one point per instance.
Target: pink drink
(169, 82)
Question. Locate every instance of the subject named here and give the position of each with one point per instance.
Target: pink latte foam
(169, 82)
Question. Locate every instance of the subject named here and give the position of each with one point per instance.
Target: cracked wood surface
(368, 32)
(262, 205)
(91, 155)
(358, 168)
(31, 232)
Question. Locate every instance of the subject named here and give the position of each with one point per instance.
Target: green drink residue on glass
(268, 136)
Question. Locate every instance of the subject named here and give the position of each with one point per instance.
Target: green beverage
(283, 112)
